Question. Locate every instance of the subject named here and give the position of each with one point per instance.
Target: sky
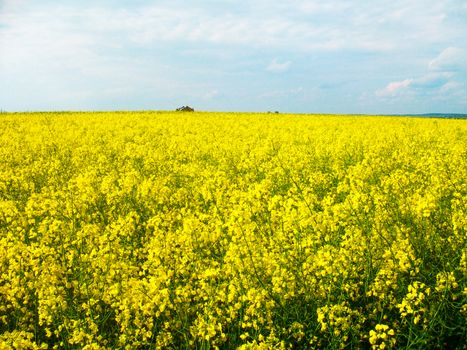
(334, 56)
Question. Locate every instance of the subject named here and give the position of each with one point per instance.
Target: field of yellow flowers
(145, 230)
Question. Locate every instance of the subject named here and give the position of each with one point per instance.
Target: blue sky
(335, 56)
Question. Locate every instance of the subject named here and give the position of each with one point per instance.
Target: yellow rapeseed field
(147, 230)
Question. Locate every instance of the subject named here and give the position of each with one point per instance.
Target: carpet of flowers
(142, 230)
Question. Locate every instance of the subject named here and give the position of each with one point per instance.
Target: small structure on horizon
(185, 109)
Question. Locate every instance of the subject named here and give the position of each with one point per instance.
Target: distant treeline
(443, 115)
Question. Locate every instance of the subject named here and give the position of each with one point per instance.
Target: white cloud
(450, 59)
(303, 7)
(163, 23)
(43, 40)
(323, 7)
(451, 86)
(278, 67)
(431, 80)
(158, 24)
(7, 6)
(429, 83)
(438, 79)
(166, 45)
(308, 25)
(394, 88)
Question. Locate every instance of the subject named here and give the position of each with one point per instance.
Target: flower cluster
(414, 302)
(382, 337)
